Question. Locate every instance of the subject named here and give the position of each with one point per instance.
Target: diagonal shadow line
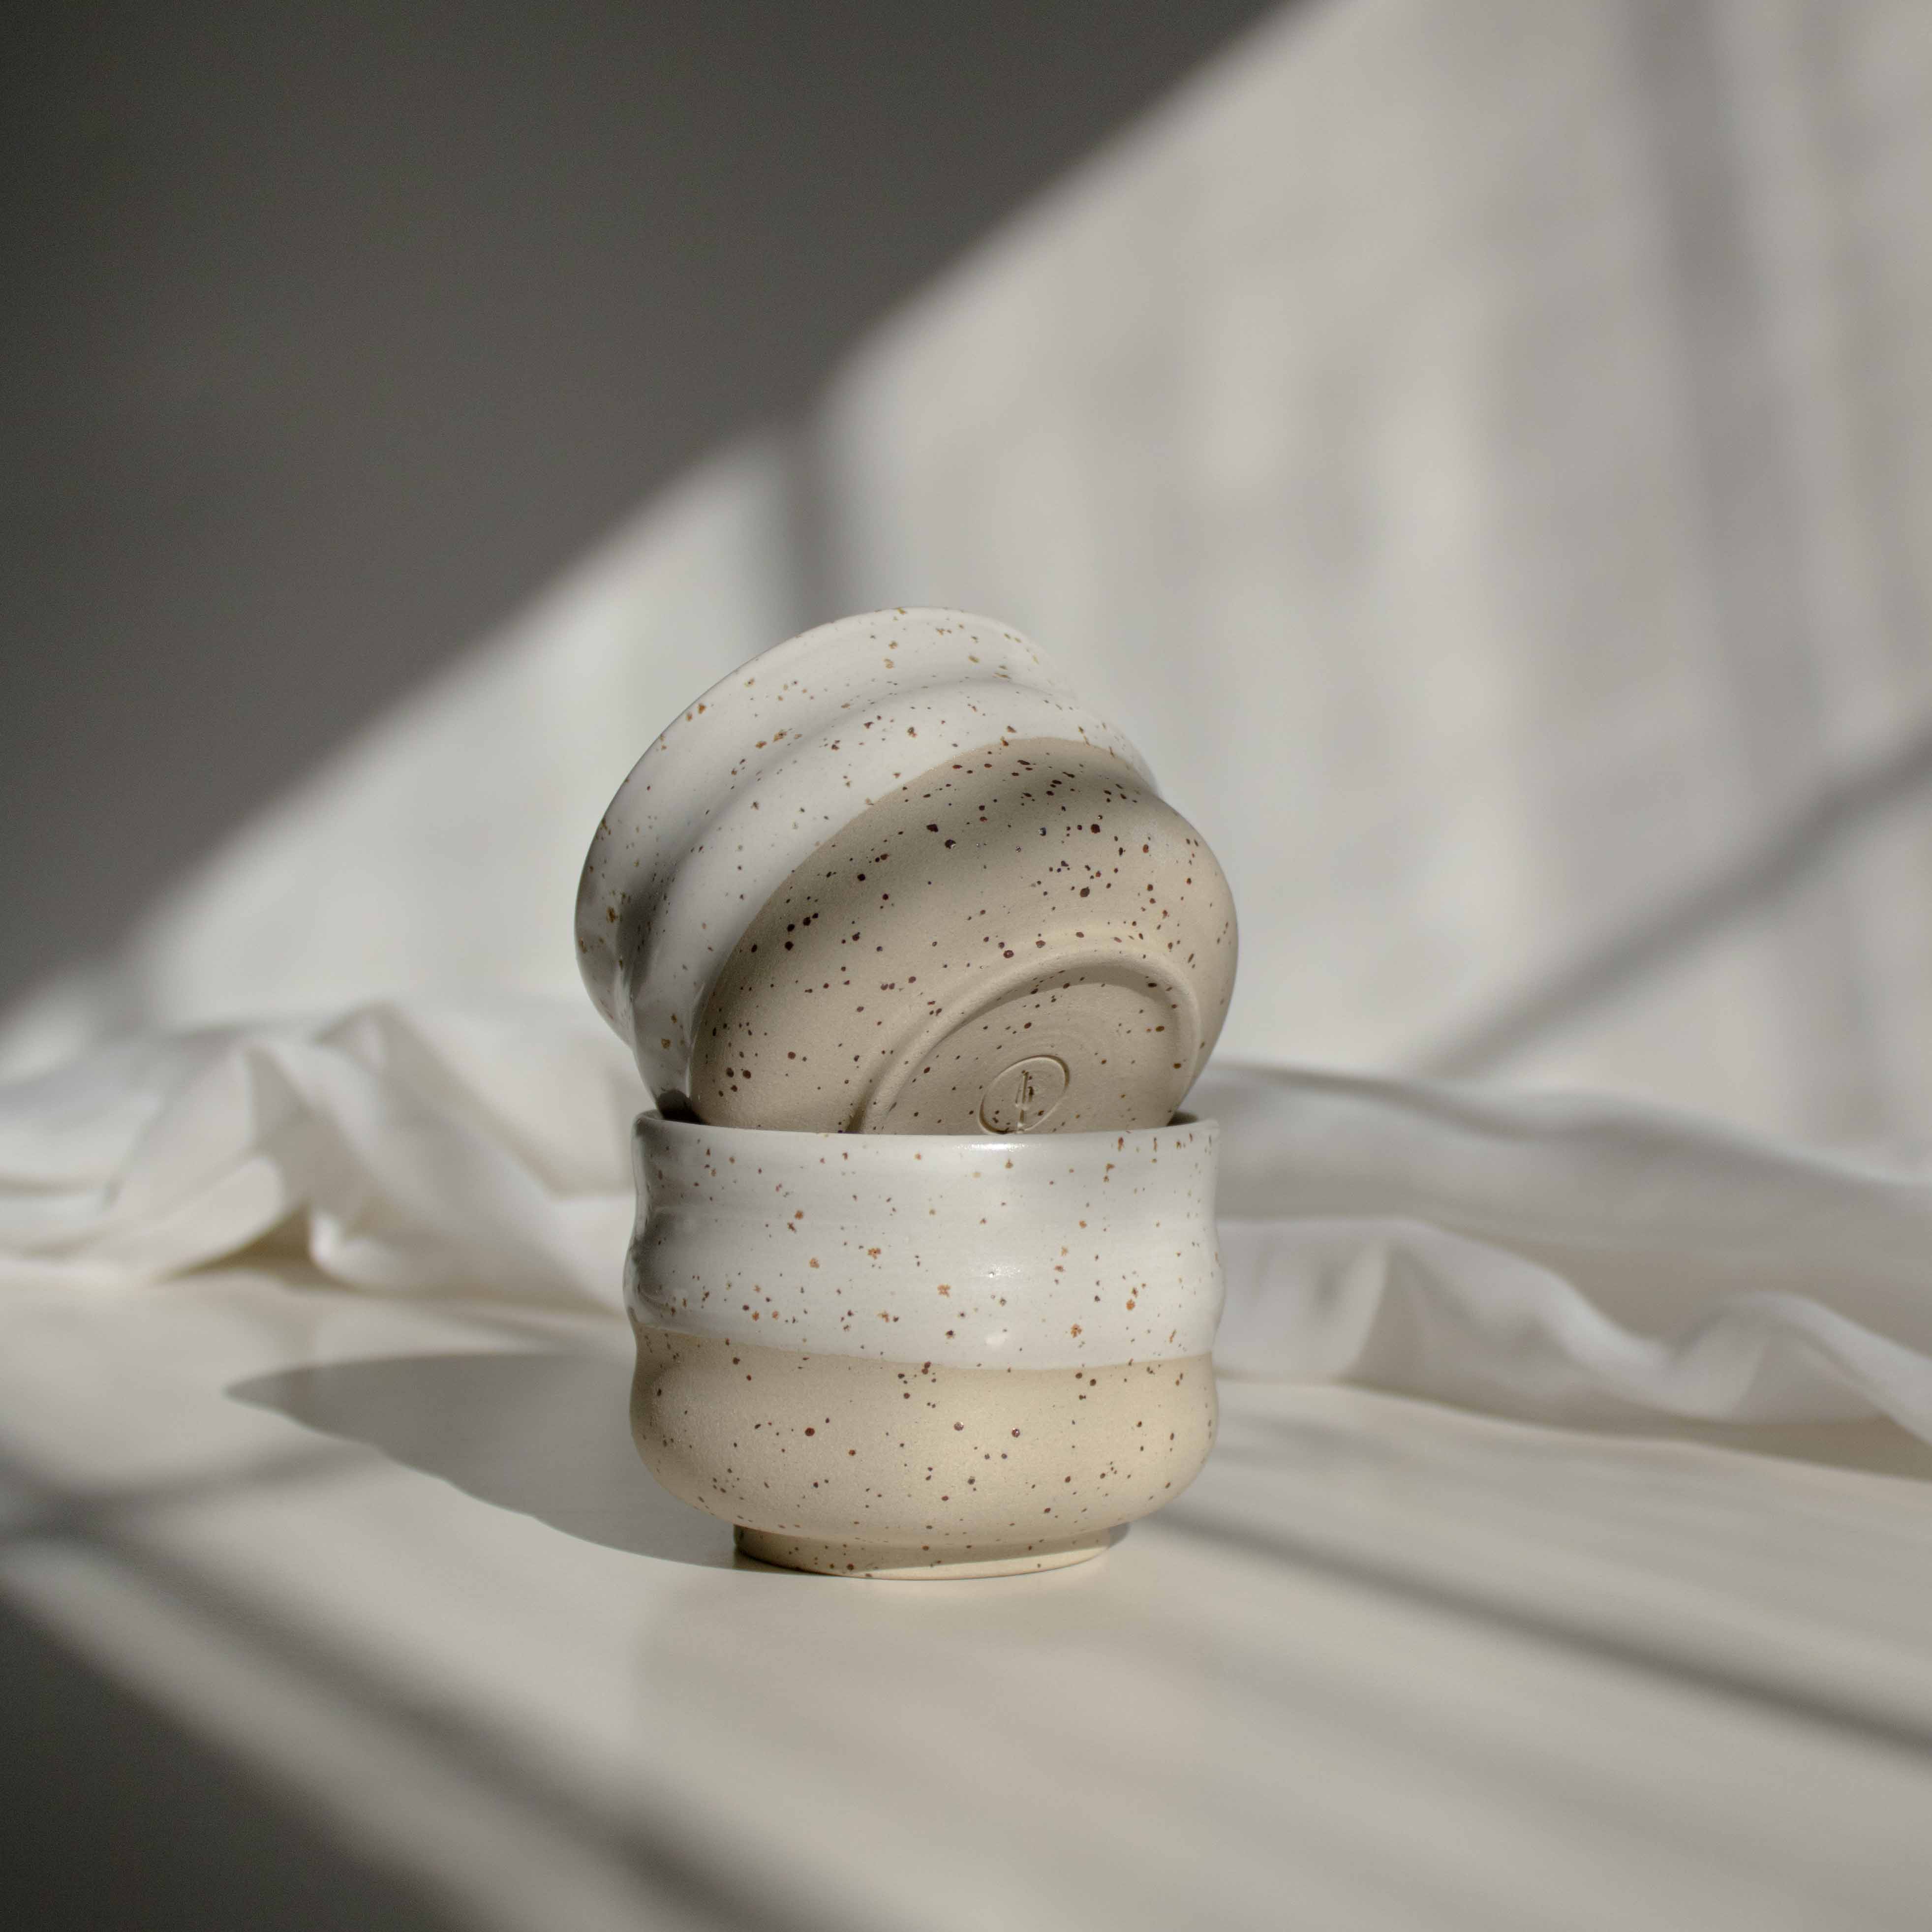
(1892, 1730)
(1776, 864)
(722, 1898)
(117, 1815)
(45, 1510)
(655, 230)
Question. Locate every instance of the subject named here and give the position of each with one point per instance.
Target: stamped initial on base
(1024, 1096)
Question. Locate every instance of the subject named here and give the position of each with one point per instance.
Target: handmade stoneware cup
(924, 1356)
(892, 877)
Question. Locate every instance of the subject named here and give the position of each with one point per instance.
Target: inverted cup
(893, 877)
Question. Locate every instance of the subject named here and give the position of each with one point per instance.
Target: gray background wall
(330, 332)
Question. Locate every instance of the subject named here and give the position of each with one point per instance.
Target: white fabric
(1478, 450)
(483, 1149)
(1480, 454)
(1556, 1257)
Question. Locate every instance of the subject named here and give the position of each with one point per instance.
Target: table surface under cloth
(391, 1568)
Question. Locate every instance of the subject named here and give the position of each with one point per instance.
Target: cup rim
(769, 1140)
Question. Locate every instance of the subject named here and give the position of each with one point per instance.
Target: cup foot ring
(909, 1563)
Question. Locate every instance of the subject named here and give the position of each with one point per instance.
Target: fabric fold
(1560, 1258)
(418, 1151)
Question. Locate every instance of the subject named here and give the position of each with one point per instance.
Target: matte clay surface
(1025, 939)
(741, 786)
(859, 1466)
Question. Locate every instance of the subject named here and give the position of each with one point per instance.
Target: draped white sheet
(1559, 1257)
(1345, 428)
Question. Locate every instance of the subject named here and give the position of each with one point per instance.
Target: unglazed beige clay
(1025, 939)
(855, 1466)
(753, 776)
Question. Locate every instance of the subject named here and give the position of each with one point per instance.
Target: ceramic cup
(893, 877)
(923, 1356)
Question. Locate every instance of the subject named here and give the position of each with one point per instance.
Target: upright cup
(924, 1356)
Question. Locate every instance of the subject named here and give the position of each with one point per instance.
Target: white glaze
(1036, 1253)
(753, 776)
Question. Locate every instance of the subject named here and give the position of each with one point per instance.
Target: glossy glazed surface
(1041, 1253)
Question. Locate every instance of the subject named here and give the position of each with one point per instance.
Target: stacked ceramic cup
(920, 966)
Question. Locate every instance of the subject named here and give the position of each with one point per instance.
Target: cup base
(899, 1562)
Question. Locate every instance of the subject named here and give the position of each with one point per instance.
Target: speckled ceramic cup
(924, 1356)
(893, 877)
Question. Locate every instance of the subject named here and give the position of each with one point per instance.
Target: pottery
(893, 877)
(923, 1356)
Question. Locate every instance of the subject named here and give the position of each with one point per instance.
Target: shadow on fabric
(545, 1435)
